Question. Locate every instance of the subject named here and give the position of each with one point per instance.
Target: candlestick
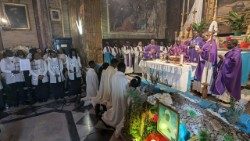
(188, 6)
(183, 13)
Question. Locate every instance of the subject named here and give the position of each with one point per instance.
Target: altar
(175, 75)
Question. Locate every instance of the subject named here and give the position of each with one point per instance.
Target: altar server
(119, 86)
(104, 92)
(92, 82)
(228, 80)
(163, 49)
(152, 51)
(115, 51)
(107, 52)
(14, 78)
(55, 68)
(128, 53)
(206, 65)
(39, 78)
(73, 65)
(101, 69)
(138, 52)
(195, 44)
(24, 84)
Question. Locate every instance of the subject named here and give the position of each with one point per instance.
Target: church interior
(124, 70)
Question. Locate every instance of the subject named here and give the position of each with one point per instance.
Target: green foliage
(199, 27)
(151, 127)
(204, 136)
(237, 22)
(228, 138)
(133, 116)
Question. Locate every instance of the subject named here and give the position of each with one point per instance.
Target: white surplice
(114, 51)
(127, 53)
(119, 86)
(92, 83)
(8, 65)
(74, 64)
(104, 93)
(38, 67)
(138, 51)
(55, 69)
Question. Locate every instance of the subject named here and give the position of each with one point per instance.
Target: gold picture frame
(55, 15)
(17, 15)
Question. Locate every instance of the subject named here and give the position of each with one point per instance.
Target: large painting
(17, 15)
(224, 6)
(132, 15)
(168, 122)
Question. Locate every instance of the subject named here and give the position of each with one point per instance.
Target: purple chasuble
(151, 52)
(193, 55)
(229, 74)
(177, 50)
(209, 48)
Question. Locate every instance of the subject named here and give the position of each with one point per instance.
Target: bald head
(152, 42)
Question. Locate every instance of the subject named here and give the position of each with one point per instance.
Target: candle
(183, 13)
(188, 7)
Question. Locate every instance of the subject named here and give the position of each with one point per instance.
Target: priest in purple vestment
(152, 51)
(194, 44)
(229, 72)
(207, 53)
(177, 49)
(204, 73)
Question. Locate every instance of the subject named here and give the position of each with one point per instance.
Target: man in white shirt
(55, 68)
(138, 52)
(73, 65)
(119, 85)
(14, 78)
(39, 76)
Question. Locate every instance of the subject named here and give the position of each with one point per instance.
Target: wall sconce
(4, 23)
(79, 26)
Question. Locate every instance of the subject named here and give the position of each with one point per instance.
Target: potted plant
(236, 22)
(199, 27)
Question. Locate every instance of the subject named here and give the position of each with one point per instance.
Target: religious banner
(168, 122)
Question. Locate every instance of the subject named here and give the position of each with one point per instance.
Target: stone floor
(52, 121)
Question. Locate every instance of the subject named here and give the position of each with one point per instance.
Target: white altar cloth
(178, 76)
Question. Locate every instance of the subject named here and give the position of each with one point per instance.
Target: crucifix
(182, 17)
(191, 31)
(194, 14)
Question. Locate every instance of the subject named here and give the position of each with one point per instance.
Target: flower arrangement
(199, 27)
(246, 42)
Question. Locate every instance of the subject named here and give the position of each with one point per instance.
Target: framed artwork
(224, 6)
(17, 15)
(168, 122)
(55, 15)
(133, 19)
